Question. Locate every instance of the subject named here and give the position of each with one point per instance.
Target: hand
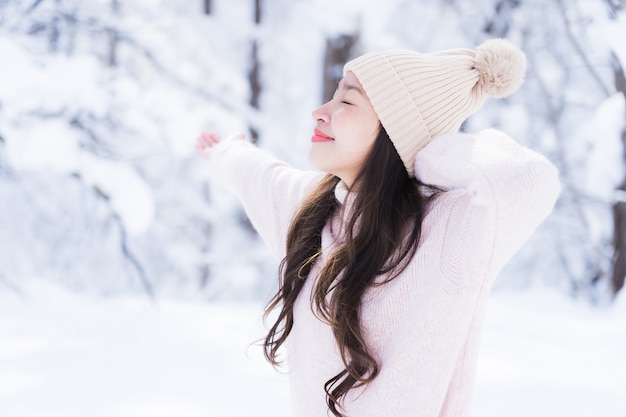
(205, 143)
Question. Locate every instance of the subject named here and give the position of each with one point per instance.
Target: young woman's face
(346, 129)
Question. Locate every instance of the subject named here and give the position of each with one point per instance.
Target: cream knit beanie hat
(418, 97)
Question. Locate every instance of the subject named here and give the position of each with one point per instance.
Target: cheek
(361, 141)
(356, 133)
(362, 124)
(352, 129)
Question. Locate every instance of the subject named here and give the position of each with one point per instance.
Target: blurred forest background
(101, 102)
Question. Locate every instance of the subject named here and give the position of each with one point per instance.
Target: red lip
(318, 136)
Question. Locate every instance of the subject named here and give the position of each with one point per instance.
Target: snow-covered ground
(69, 355)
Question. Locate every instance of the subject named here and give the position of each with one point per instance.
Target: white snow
(130, 196)
(606, 151)
(70, 355)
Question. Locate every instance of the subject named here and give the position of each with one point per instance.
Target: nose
(321, 114)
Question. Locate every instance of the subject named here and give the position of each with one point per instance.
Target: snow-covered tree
(101, 102)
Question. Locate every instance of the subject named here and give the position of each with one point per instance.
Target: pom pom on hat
(419, 97)
(501, 66)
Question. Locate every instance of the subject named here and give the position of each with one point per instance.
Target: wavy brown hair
(382, 235)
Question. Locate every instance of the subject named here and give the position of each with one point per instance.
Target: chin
(314, 160)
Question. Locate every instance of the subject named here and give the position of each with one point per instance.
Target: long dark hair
(382, 235)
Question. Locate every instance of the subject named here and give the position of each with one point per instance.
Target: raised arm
(500, 193)
(270, 190)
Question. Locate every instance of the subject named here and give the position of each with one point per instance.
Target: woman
(384, 280)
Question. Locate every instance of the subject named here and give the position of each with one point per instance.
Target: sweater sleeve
(499, 193)
(269, 190)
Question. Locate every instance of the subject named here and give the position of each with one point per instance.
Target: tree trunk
(254, 79)
(619, 238)
(113, 41)
(255, 85)
(207, 7)
(113, 37)
(257, 11)
(619, 207)
(338, 52)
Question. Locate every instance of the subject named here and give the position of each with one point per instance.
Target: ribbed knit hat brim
(419, 97)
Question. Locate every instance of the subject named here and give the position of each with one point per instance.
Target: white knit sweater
(423, 327)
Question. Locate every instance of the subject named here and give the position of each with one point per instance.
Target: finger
(205, 140)
(214, 138)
